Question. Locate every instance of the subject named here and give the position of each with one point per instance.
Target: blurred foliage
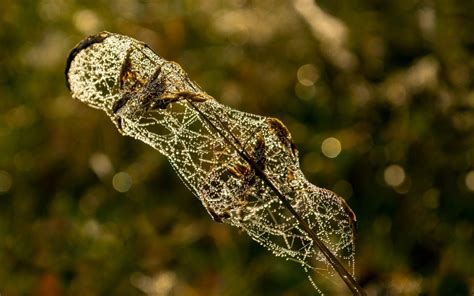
(389, 126)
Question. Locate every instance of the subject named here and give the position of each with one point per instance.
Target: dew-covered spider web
(219, 153)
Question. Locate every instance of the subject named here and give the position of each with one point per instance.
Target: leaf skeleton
(243, 167)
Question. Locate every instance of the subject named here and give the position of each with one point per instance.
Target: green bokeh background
(402, 109)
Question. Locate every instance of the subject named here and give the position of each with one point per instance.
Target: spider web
(207, 144)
